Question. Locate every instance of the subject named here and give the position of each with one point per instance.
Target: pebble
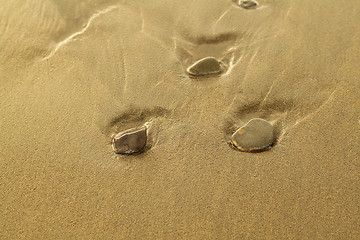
(205, 67)
(255, 136)
(247, 4)
(129, 142)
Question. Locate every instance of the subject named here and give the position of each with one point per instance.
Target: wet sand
(73, 75)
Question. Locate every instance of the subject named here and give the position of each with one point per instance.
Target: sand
(75, 73)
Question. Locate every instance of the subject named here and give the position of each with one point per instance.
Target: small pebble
(255, 136)
(247, 4)
(205, 67)
(132, 141)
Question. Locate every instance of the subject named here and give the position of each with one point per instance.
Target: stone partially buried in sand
(205, 67)
(132, 141)
(255, 136)
(247, 4)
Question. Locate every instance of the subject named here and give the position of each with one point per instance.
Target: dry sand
(74, 73)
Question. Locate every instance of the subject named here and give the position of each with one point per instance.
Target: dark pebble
(205, 67)
(130, 142)
(247, 4)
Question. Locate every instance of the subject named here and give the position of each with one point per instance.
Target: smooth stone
(132, 141)
(256, 135)
(247, 4)
(205, 67)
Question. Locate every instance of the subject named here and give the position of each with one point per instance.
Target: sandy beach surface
(75, 73)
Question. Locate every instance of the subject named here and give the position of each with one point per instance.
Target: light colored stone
(256, 135)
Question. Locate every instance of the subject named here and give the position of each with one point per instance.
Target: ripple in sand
(208, 66)
(247, 4)
(255, 136)
(132, 141)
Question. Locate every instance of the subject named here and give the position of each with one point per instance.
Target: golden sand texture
(75, 73)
